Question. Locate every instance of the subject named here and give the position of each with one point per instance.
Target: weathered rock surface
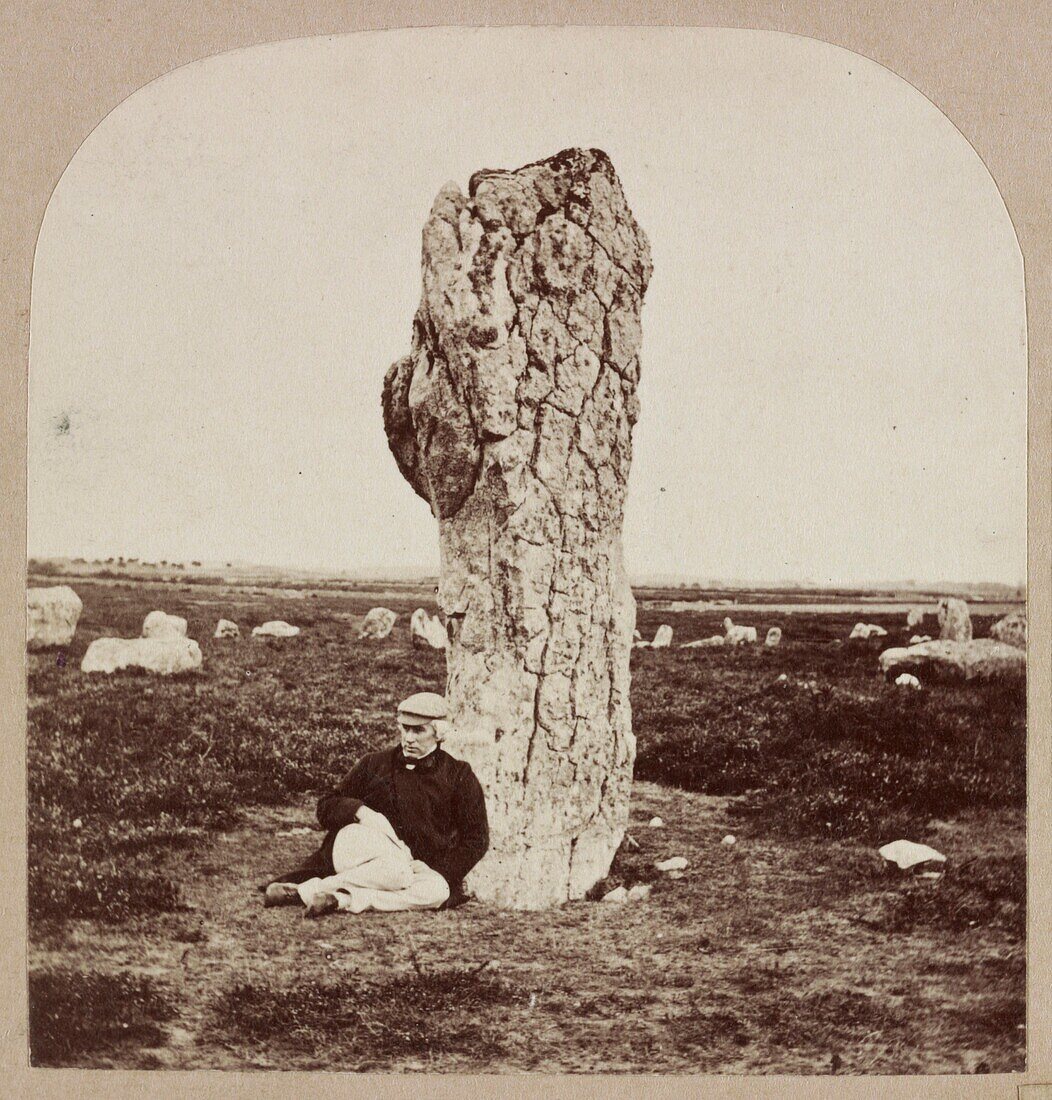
(227, 629)
(978, 659)
(774, 636)
(427, 631)
(275, 628)
(52, 615)
(662, 637)
(158, 624)
(1011, 629)
(955, 624)
(163, 656)
(378, 623)
(512, 417)
(738, 635)
(907, 854)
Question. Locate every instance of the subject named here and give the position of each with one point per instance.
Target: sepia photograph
(527, 571)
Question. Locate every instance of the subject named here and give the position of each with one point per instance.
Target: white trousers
(375, 870)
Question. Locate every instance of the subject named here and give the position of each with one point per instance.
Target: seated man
(404, 826)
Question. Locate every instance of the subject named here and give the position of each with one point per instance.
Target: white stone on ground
(676, 863)
(227, 629)
(378, 623)
(656, 823)
(620, 894)
(907, 680)
(164, 656)
(51, 616)
(729, 840)
(907, 854)
(425, 630)
(276, 628)
(914, 617)
(640, 892)
(774, 636)
(663, 637)
(702, 643)
(918, 639)
(159, 624)
(867, 630)
(738, 635)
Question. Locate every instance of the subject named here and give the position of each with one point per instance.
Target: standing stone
(158, 624)
(1011, 629)
(226, 628)
(165, 655)
(512, 417)
(914, 617)
(662, 637)
(51, 616)
(774, 636)
(955, 624)
(378, 623)
(427, 631)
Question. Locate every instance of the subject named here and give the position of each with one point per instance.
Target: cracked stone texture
(512, 417)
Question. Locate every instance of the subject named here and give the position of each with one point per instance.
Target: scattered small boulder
(907, 679)
(737, 635)
(427, 631)
(639, 892)
(729, 840)
(227, 629)
(51, 616)
(955, 624)
(656, 823)
(617, 895)
(983, 659)
(378, 623)
(919, 639)
(662, 638)
(1011, 629)
(164, 656)
(275, 628)
(866, 630)
(914, 617)
(702, 643)
(159, 624)
(774, 637)
(905, 854)
(676, 863)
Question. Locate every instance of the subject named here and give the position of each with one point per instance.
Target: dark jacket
(437, 807)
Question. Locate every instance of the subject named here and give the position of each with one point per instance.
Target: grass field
(156, 806)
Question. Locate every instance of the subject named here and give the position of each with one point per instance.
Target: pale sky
(834, 346)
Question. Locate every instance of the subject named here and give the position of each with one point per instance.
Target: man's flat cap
(424, 706)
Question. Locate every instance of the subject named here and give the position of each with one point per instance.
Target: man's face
(417, 741)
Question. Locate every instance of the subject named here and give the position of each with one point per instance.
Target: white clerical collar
(409, 766)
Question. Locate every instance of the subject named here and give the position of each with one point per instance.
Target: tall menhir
(512, 416)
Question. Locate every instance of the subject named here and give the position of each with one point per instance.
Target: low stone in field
(730, 840)
(640, 892)
(51, 616)
(656, 823)
(378, 623)
(163, 656)
(1011, 629)
(907, 679)
(906, 854)
(737, 635)
(159, 624)
(703, 643)
(276, 628)
(982, 659)
(662, 637)
(917, 639)
(227, 629)
(914, 617)
(774, 636)
(676, 863)
(866, 630)
(620, 894)
(427, 631)
(955, 624)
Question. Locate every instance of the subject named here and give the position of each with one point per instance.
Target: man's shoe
(321, 904)
(281, 893)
